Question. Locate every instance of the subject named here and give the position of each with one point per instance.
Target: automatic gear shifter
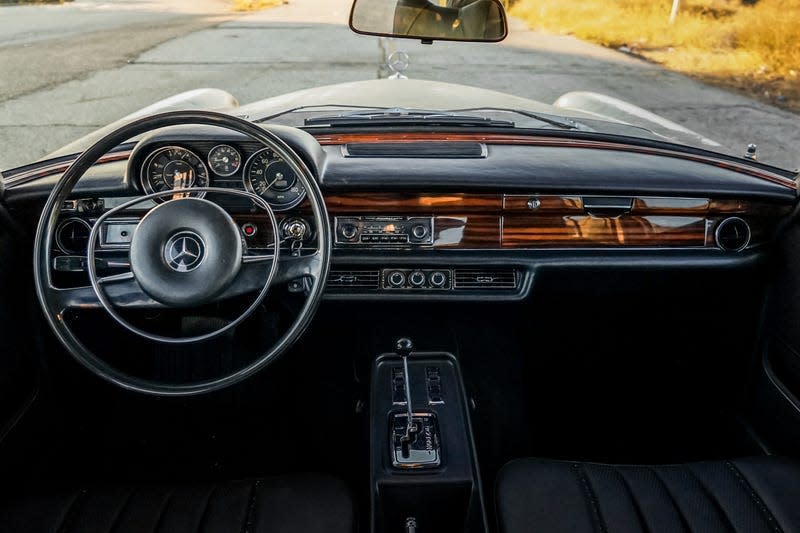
(414, 435)
(403, 347)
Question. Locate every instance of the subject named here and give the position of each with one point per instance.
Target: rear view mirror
(431, 20)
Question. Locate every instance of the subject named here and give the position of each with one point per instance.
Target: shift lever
(403, 347)
(415, 440)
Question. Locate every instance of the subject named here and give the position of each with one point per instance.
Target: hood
(406, 93)
(585, 107)
(621, 118)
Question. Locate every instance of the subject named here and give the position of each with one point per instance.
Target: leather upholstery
(302, 504)
(746, 495)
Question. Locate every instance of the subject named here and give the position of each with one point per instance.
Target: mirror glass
(431, 20)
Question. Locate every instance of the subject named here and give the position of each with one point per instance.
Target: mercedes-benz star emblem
(184, 251)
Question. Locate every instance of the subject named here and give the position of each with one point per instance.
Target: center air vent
(72, 236)
(733, 234)
(479, 279)
(354, 279)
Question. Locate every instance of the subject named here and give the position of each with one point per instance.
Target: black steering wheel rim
(49, 220)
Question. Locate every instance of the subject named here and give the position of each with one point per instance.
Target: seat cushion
(307, 504)
(754, 494)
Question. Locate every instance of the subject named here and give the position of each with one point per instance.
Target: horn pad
(185, 252)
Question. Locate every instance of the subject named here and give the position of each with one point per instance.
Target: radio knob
(417, 279)
(349, 231)
(397, 279)
(438, 279)
(419, 231)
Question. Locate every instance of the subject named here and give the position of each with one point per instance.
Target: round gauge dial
(273, 179)
(224, 160)
(173, 167)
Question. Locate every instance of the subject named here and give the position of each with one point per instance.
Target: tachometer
(224, 160)
(273, 179)
(173, 167)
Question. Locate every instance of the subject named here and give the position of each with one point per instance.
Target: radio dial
(417, 279)
(349, 231)
(397, 279)
(419, 231)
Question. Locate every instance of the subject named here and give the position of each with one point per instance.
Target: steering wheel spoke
(121, 289)
(260, 258)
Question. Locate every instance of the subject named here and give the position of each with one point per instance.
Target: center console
(424, 474)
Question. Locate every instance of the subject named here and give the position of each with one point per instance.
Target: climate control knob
(416, 279)
(437, 279)
(396, 279)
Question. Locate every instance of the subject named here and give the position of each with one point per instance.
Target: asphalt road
(67, 70)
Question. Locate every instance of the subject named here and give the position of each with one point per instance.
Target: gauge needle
(178, 181)
(278, 176)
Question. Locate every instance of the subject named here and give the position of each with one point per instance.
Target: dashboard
(448, 215)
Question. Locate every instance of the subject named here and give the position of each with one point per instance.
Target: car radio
(384, 231)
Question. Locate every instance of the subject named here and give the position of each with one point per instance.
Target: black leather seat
(301, 504)
(752, 495)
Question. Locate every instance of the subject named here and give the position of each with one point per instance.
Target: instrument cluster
(244, 166)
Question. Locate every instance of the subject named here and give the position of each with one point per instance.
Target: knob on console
(397, 279)
(437, 279)
(417, 279)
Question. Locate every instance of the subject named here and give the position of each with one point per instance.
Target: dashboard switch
(249, 229)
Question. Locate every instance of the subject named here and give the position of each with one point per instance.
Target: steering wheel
(185, 252)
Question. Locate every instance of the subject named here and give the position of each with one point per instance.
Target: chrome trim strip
(52, 169)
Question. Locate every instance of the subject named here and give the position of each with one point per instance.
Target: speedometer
(273, 179)
(173, 167)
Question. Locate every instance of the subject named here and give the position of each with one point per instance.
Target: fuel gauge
(224, 160)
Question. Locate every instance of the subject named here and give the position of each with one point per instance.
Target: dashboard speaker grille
(477, 279)
(354, 279)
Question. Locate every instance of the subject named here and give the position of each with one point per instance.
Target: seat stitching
(163, 511)
(636, 506)
(588, 491)
(249, 516)
(712, 498)
(205, 507)
(121, 509)
(68, 520)
(773, 523)
(672, 499)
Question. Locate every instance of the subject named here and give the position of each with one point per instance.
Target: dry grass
(255, 5)
(750, 46)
